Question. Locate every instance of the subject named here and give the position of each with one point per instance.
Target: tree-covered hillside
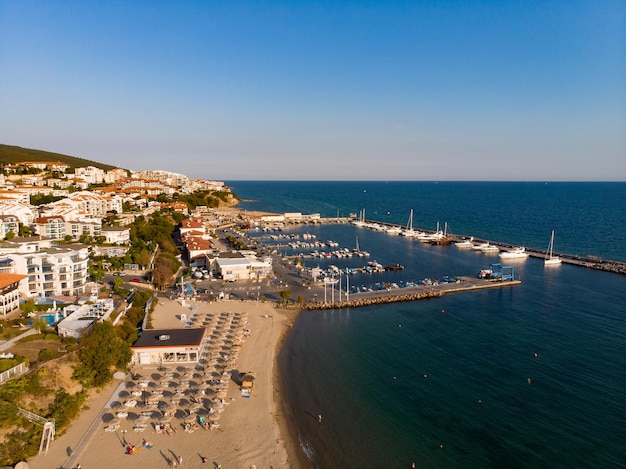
(11, 154)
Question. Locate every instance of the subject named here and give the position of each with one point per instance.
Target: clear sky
(326, 90)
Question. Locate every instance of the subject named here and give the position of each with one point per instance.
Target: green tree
(143, 258)
(285, 295)
(100, 352)
(40, 325)
(25, 231)
(28, 307)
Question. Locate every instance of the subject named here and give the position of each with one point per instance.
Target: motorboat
(514, 253)
(465, 244)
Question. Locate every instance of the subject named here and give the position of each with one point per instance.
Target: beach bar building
(170, 346)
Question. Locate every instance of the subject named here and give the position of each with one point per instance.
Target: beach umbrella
(215, 416)
(195, 407)
(170, 409)
(190, 418)
(165, 419)
(115, 421)
(142, 418)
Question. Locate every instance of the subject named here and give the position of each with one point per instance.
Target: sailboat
(550, 259)
(409, 232)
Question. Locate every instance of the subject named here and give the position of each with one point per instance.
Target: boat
(409, 232)
(550, 258)
(490, 248)
(515, 253)
(465, 244)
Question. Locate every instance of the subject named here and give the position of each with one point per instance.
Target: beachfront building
(243, 265)
(170, 346)
(9, 292)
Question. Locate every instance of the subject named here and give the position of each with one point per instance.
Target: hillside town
(45, 248)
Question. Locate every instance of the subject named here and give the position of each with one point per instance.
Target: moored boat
(515, 253)
(551, 260)
(465, 244)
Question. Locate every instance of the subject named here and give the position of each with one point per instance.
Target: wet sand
(252, 430)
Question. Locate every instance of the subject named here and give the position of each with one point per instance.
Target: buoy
(536, 355)
(425, 376)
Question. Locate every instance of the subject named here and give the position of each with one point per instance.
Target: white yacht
(465, 244)
(515, 253)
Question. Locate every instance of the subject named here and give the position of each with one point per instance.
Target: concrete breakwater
(376, 300)
(357, 300)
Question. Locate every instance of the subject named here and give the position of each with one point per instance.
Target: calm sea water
(445, 382)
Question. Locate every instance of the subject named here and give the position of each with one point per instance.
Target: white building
(80, 318)
(116, 234)
(53, 271)
(8, 224)
(56, 227)
(9, 292)
(25, 212)
(233, 266)
(90, 174)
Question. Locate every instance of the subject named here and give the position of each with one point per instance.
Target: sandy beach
(252, 431)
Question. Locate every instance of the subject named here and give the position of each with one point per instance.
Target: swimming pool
(51, 319)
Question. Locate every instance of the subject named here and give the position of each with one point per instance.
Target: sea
(529, 376)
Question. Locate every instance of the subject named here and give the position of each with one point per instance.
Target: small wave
(307, 448)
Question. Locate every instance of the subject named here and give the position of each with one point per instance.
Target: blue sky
(415, 90)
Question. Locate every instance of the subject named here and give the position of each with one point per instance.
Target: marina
(453, 370)
(459, 241)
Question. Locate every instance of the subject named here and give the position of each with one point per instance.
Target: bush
(46, 355)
